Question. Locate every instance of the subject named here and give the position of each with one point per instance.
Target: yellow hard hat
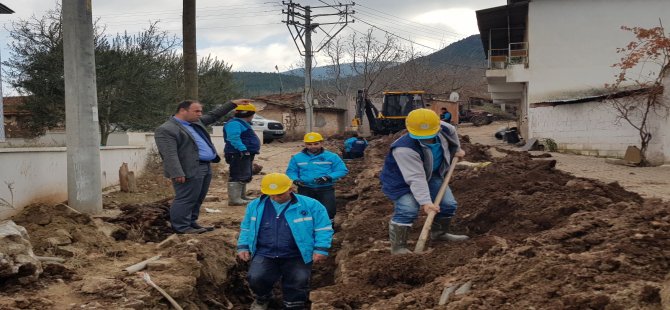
(311, 137)
(422, 124)
(246, 107)
(275, 184)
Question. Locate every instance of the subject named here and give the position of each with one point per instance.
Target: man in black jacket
(187, 151)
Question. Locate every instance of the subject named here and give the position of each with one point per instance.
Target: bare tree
(337, 69)
(371, 58)
(635, 97)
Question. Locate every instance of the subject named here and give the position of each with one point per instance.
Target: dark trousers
(188, 198)
(240, 167)
(353, 155)
(325, 195)
(294, 274)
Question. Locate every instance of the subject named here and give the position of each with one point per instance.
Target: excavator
(391, 119)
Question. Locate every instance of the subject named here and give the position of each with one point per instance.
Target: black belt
(204, 161)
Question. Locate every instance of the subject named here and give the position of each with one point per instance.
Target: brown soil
(540, 238)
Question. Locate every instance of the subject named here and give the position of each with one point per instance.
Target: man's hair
(444, 109)
(354, 134)
(186, 105)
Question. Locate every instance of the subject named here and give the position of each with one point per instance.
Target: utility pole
(190, 53)
(281, 85)
(81, 109)
(300, 25)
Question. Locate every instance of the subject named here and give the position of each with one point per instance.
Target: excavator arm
(364, 105)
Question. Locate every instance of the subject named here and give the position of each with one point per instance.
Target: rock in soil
(17, 260)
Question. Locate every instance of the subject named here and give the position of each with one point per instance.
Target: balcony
(515, 54)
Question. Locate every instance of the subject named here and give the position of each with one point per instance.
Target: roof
(5, 10)
(501, 25)
(295, 101)
(12, 105)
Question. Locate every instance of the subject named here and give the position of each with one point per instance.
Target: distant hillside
(466, 52)
(321, 73)
(263, 83)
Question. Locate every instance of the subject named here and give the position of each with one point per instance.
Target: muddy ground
(540, 239)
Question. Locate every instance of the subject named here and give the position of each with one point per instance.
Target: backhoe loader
(395, 107)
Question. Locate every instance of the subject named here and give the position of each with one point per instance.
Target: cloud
(460, 20)
(255, 58)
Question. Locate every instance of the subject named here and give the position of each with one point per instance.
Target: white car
(271, 129)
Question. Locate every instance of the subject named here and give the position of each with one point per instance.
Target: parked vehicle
(272, 129)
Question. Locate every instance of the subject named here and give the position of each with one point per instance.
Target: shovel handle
(421, 243)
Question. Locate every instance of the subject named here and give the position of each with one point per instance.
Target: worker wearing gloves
(354, 147)
(241, 147)
(413, 172)
(315, 170)
(283, 234)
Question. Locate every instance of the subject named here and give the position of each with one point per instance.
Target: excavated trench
(540, 238)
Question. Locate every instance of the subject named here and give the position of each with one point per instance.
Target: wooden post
(132, 183)
(123, 177)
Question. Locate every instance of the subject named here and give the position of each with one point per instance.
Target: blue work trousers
(188, 198)
(241, 167)
(325, 195)
(406, 208)
(294, 274)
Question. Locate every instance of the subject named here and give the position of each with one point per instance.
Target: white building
(553, 58)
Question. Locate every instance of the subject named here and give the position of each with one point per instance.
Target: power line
(414, 25)
(458, 34)
(431, 37)
(395, 35)
(392, 34)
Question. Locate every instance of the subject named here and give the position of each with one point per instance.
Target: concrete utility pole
(302, 31)
(309, 95)
(81, 109)
(190, 53)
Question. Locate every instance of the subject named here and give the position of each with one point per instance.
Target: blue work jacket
(307, 218)
(305, 167)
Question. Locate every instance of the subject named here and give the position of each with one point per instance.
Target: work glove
(299, 183)
(244, 154)
(323, 180)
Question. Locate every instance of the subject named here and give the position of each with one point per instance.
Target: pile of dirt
(62, 231)
(149, 222)
(541, 238)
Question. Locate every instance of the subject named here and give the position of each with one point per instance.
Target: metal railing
(516, 53)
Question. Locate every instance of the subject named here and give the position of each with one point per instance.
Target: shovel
(421, 243)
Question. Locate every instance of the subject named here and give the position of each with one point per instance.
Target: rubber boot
(235, 194)
(439, 229)
(244, 192)
(398, 235)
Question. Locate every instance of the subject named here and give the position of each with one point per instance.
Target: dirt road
(649, 182)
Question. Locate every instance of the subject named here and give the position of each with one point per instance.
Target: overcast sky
(250, 35)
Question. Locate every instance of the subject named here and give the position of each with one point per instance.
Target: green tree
(139, 77)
